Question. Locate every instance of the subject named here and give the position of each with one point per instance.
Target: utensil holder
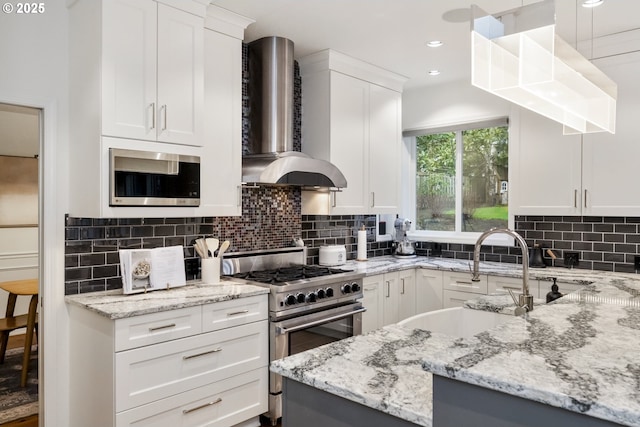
(210, 270)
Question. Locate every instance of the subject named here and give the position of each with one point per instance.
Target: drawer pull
(235, 313)
(463, 283)
(202, 354)
(187, 411)
(157, 328)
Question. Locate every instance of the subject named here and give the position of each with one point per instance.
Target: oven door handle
(281, 330)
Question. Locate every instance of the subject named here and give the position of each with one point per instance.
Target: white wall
(34, 72)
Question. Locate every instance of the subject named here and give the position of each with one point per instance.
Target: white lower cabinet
(197, 366)
(458, 287)
(399, 296)
(428, 290)
(372, 301)
(500, 285)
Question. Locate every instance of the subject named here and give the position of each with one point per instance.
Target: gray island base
(458, 404)
(308, 406)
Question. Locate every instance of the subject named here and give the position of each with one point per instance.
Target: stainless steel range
(309, 306)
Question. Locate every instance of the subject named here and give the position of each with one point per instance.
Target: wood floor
(17, 341)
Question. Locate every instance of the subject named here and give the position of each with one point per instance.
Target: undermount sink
(457, 321)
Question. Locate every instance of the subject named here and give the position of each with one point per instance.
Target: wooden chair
(11, 322)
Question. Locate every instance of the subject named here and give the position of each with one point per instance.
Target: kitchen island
(577, 355)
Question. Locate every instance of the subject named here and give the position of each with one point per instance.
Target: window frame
(409, 193)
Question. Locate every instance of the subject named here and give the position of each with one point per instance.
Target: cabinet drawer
(159, 327)
(222, 404)
(501, 285)
(456, 298)
(462, 282)
(234, 312)
(155, 372)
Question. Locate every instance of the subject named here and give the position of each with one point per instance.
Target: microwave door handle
(281, 330)
(173, 167)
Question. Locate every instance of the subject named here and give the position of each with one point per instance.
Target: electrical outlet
(571, 259)
(636, 262)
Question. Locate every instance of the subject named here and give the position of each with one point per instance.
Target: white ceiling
(392, 34)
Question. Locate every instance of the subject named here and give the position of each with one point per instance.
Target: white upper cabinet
(152, 84)
(352, 118)
(160, 76)
(222, 176)
(580, 174)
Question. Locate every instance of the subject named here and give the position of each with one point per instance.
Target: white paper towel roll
(362, 245)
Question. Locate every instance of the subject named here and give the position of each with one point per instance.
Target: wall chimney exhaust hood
(273, 161)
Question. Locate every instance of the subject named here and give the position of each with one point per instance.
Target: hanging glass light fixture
(518, 56)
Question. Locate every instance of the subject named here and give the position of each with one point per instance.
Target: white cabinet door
(455, 298)
(428, 290)
(390, 298)
(129, 69)
(407, 290)
(372, 287)
(546, 173)
(501, 285)
(222, 151)
(384, 149)
(180, 76)
(609, 159)
(349, 138)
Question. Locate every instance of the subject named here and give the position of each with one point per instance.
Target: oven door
(312, 330)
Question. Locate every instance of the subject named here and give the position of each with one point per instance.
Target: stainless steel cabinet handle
(333, 199)
(215, 350)
(164, 117)
(460, 282)
(388, 289)
(239, 195)
(153, 115)
(373, 199)
(157, 328)
(235, 313)
(585, 198)
(402, 286)
(186, 411)
(575, 198)
(370, 289)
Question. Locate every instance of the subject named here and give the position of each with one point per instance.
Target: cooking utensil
(202, 248)
(223, 247)
(212, 245)
(198, 250)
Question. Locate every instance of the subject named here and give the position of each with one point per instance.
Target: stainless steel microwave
(145, 178)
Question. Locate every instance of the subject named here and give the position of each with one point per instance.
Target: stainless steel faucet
(525, 301)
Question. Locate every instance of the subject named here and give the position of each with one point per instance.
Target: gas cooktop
(283, 275)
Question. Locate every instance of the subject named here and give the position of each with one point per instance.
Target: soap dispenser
(554, 294)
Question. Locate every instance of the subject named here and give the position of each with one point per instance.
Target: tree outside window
(460, 178)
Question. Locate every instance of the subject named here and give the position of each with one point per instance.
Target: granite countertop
(385, 264)
(578, 353)
(116, 305)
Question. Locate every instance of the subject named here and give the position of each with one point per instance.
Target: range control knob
(289, 300)
(300, 298)
(346, 288)
(355, 287)
(321, 293)
(311, 297)
(329, 292)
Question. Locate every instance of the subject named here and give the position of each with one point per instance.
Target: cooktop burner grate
(289, 274)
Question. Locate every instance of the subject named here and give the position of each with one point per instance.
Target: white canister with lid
(333, 255)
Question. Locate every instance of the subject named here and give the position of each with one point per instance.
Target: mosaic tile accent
(320, 230)
(271, 218)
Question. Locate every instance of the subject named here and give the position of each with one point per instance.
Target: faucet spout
(526, 299)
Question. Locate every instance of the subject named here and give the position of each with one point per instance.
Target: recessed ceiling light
(592, 3)
(434, 72)
(435, 43)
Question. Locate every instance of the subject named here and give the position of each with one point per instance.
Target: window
(462, 179)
